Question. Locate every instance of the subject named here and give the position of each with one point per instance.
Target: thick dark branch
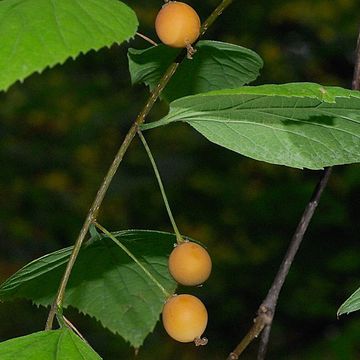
(273, 294)
(270, 301)
(268, 306)
(356, 77)
(264, 340)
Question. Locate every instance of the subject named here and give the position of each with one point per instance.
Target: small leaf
(60, 344)
(301, 125)
(215, 65)
(351, 304)
(105, 283)
(95, 235)
(35, 34)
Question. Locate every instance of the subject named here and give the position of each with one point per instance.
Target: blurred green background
(60, 130)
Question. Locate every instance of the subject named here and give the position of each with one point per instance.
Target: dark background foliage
(60, 130)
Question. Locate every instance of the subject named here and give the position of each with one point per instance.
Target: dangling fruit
(177, 24)
(189, 264)
(184, 318)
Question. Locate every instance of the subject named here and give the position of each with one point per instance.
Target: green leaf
(301, 125)
(60, 344)
(351, 304)
(215, 65)
(35, 34)
(105, 283)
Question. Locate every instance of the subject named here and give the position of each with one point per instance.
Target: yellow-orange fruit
(184, 317)
(189, 264)
(177, 24)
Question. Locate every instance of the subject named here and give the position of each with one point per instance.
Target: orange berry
(189, 264)
(177, 24)
(184, 317)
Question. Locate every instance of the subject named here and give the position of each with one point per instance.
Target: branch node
(265, 314)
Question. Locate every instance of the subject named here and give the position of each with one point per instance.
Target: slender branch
(268, 306)
(92, 214)
(179, 238)
(259, 323)
(94, 209)
(215, 14)
(133, 257)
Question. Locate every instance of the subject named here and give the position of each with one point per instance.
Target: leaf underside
(215, 65)
(351, 304)
(60, 344)
(105, 283)
(35, 34)
(301, 125)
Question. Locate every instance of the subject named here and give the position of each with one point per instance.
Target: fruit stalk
(179, 238)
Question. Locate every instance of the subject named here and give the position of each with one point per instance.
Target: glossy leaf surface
(215, 65)
(35, 34)
(105, 282)
(60, 344)
(301, 125)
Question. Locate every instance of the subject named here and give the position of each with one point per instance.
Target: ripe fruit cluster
(185, 316)
(177, 24)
